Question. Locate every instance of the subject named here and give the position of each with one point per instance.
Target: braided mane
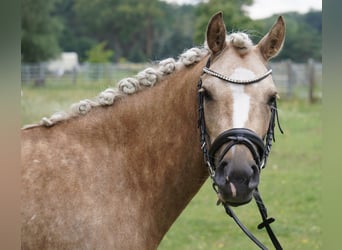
(144, 79)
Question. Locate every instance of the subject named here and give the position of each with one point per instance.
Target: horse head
(238, 98)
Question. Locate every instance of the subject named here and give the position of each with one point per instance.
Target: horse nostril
(236, 180)
(255, 170)
(223, 164)
(254, 179)
(248, 176)
(240, 180)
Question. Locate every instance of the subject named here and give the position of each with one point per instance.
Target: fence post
(74, 75)
(290, 78)
(40, 80)
(311, 79)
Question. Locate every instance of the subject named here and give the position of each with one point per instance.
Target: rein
(260, 149)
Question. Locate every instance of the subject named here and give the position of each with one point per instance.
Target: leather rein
(260, 149)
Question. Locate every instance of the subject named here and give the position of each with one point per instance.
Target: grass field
(290, 184)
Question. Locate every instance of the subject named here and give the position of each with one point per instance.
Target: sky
(266, 8)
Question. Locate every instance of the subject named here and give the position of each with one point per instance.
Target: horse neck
(162, 160)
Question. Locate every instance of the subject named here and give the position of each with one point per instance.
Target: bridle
(259, 148)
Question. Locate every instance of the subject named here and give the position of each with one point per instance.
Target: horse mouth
(237, 204)
(235, 185)
(234, 201)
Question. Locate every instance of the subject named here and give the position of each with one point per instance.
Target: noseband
(259, 148)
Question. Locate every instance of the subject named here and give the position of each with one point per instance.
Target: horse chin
(240, 203)
(234, 201)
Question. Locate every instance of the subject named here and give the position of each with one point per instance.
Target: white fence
(39, 74)
(289, 77)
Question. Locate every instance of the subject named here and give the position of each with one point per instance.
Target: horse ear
(271, 44)
(216, 33)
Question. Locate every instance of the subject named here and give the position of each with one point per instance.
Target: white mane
(144, 79)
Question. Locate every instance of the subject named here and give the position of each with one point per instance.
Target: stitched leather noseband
(259, 148)
(235, 136)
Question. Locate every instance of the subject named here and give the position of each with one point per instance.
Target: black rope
(230, 212)
(266, 221)
(264, 224)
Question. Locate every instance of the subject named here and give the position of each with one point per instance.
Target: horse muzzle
(236, 178)
(237, 155)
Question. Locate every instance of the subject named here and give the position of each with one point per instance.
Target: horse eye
(272, 99)
(207, 95)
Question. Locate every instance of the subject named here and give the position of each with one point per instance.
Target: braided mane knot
(241, 41)
(192, 56)
(167, 66)
(148, 77)
(129, 85)
(107, 97)
(54, 118)
(83, 106)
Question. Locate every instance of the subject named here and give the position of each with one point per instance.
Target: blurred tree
(234, 16)
(303, 36)
(314, 19)
(127, 24)
(140, 30)
(98, 54)
(74, 37)
(174, 30)
(39, 30)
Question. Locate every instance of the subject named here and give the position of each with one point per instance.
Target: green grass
(290, 184)
(38, 102)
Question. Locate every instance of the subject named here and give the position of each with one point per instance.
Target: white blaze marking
(240, 98)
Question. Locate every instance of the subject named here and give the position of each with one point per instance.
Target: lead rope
(265, 222)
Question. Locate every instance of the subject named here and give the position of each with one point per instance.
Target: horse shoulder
(61, 191)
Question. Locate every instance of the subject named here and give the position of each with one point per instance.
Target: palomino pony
(115, 172)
